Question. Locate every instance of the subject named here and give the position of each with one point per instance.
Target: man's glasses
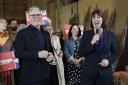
(35, 15)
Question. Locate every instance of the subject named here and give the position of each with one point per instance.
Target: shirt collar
(35, 28)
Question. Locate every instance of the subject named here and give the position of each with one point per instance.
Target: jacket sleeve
(113, 49)
(111, 54)
(20, 51)
(85, 46)
(67, 53)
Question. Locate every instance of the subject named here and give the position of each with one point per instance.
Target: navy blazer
(26, 49)
(93, 54)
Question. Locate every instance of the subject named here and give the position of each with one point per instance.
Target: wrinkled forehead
(34, 12)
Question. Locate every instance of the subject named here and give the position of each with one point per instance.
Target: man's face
(14, 25)
(35, 17)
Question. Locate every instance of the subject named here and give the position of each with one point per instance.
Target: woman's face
(97, 21)
(75, 30)
(3, 25)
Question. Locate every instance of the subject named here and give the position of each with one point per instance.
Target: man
(33, 48)
(13, 24)
(13, 27)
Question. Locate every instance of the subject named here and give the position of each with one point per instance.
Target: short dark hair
(99, 13)
(13, 20)
(70, 33)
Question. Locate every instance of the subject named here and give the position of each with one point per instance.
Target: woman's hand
(76, 62)
(95, 38)
(61, 54)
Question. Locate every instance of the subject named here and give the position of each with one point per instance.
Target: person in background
(57, 68)
(34, 50)
(98, 46)
(60, 34)
(6, 45)
(20, 27)
(13, 24)
(72, 66)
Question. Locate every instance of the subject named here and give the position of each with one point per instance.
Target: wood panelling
(13, 9)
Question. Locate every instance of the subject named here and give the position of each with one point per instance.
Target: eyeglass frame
(34, 15)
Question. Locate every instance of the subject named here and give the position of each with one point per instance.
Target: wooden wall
(60, 16)
(13, 9)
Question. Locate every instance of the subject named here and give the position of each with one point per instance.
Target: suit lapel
(33, 37)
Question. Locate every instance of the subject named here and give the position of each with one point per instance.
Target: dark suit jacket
(93, 54)
(126, 49)
(31, 67)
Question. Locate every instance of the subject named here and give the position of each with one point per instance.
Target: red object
(7, 61)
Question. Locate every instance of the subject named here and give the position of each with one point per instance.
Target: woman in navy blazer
(98, 46)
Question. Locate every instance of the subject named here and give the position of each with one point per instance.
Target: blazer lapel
(92, 34)
(33, 37)
(105, 38)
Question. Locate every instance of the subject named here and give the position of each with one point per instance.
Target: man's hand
(43, 54)
(104, 62)
(50, 57)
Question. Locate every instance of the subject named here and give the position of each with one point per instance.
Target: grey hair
(4, 20)
(33, 8)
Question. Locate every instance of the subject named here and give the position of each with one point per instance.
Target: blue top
(69, 48)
